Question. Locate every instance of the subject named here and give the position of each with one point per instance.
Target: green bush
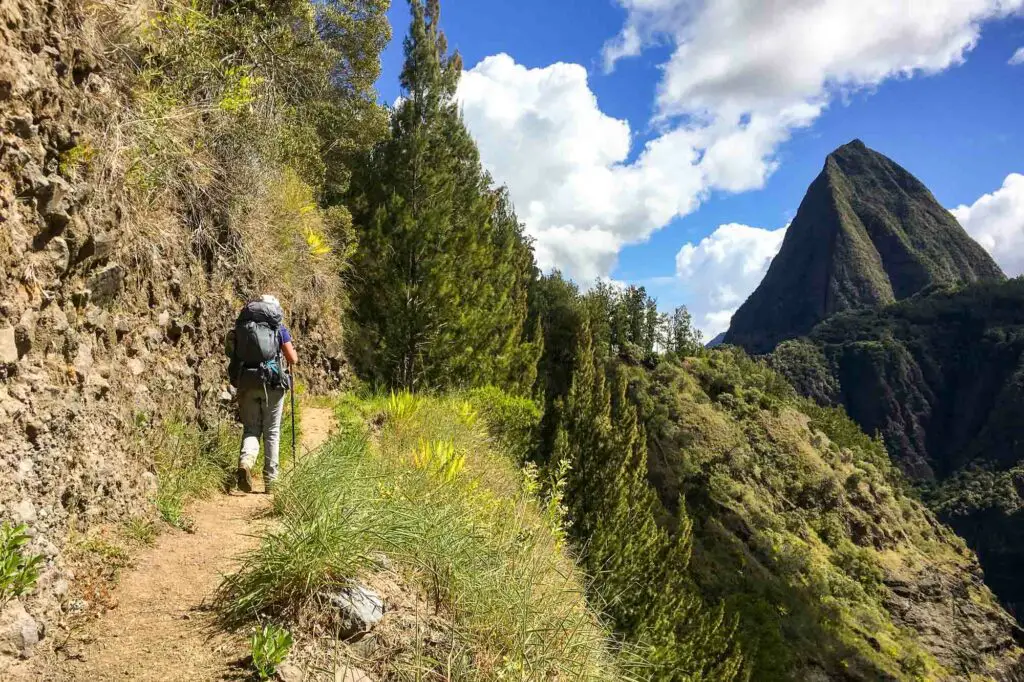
(513, 421)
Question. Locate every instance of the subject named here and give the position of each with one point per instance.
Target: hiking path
(162, 627)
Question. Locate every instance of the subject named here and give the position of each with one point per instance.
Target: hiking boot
(268, 487)
(244, 479)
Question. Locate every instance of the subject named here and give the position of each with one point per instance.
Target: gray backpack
(255, 347)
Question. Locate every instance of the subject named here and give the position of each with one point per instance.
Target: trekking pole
(295, 453)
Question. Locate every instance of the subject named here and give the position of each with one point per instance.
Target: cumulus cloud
(742, 77)
(996, 221)
(541, 132)
(1017, 58)
(722, 270)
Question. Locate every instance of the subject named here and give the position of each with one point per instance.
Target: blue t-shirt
(283, 335)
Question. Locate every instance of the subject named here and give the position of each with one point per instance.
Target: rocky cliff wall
(109, 310)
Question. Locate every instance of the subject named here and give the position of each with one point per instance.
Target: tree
(443, 265)
(640, 569)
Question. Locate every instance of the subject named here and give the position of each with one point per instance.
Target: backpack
(254, 347)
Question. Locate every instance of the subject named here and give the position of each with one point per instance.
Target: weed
(72, 161)
(270, 645)
(400, 406)
(141, 530)
(18, 572)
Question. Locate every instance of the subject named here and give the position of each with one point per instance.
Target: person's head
(270, 299)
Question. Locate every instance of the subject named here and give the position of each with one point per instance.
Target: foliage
(939, 377)
(512, 421)
(443, 263)
(640, 569)
(190, 463)
(18, 571)
(270, 646)
(806, 368)
(798, 517)
(480, 546)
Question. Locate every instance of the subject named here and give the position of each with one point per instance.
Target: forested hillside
(549, 482)
(939, 378)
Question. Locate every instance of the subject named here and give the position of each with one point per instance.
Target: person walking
(256, 348)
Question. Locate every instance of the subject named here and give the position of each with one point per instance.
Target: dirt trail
(162, 628)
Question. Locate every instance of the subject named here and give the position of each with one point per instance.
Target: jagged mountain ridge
(867, 233)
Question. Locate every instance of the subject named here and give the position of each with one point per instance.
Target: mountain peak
(867, 233)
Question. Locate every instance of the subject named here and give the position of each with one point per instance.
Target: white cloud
(1017, 58)
(742, 77)
(996, 221)
(541, 132)
(736, 56)
(722, 270)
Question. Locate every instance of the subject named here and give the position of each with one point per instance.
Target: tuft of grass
(190, 464)
(141, 530)
(18, 571)
(460, 522)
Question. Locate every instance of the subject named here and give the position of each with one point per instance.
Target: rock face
(867, 233)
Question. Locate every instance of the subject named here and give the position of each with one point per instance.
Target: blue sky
(947, 108)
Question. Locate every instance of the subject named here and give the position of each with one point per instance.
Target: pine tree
(443, 267)
(638, 566)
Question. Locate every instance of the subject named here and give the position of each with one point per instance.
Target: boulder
(106, 284)
(8, 346)
(19, 632)
(359, 610)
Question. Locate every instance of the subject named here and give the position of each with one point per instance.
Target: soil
(162, 627)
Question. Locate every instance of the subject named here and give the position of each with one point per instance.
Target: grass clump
(464, 531)
(190, 464)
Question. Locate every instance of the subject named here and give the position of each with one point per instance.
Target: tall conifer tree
(640, 569)
(443, 267)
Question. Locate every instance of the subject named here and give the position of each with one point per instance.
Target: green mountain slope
(803, 530)
(867, 233)
(941, 378)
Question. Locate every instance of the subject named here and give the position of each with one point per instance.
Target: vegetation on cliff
(939, 378)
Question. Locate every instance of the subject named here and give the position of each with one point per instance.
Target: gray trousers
(260, 410)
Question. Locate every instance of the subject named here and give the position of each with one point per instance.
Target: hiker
(256, 347)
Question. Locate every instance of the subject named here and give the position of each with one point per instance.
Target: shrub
(18, 572)
(512, 421)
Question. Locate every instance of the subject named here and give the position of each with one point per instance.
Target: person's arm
(289, 353)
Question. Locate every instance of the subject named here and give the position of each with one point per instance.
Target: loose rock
(8, 346)
(359, 610)
(19, 632)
